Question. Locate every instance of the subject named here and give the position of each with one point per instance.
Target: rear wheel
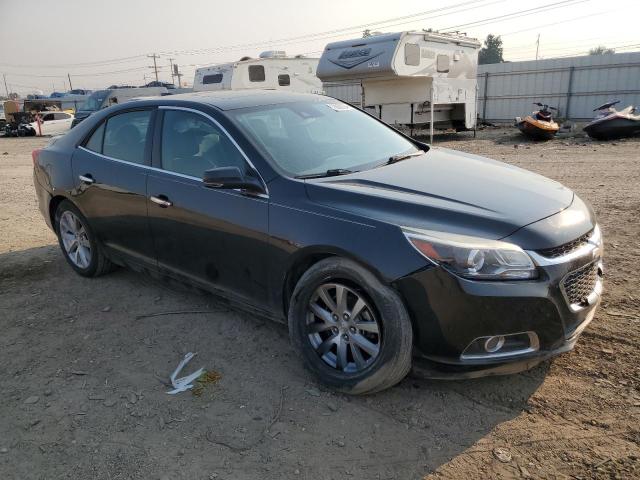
(352, 331)
(78, 243)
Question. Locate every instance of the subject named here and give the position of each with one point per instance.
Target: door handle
(86, 178)
(161, 200)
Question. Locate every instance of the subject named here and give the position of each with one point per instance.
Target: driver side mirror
(231, 178)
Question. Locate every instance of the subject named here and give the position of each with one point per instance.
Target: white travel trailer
(272, 71)
(408, 78)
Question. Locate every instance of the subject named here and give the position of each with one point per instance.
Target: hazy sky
(105, 42)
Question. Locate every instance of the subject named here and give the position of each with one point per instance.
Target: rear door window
(125, 136)
(191, 145)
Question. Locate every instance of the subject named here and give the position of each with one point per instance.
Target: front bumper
(450, 314)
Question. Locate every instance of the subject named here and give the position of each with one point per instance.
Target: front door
(110, 172)
(217, 238)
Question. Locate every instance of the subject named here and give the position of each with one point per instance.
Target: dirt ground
(81, 367)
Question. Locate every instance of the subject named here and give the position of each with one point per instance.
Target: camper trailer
(407, 78)
(272, 71)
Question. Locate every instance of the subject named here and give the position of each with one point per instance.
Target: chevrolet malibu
(379, 251)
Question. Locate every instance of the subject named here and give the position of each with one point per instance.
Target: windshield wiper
(333, 172)
(402, 156)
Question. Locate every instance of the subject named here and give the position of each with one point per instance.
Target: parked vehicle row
(380, 252)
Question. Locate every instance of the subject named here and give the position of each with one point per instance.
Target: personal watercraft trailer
(410, 78)
(273, 70)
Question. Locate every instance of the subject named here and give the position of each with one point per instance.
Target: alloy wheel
(342, 328)
(75, 240)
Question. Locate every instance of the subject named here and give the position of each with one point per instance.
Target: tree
(366, 33)
(492, 50)
(601, 50)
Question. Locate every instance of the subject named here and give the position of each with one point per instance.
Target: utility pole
(155, 66)
(177, 73)
(537, 46)
(171, 68)
(5, 84)
(70, 86)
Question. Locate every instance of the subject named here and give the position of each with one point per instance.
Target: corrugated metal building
(574, 85)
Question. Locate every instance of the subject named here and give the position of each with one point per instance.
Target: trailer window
(411, 54)
(213, 78)
(442, 63)
(284, 80)
(256, 73)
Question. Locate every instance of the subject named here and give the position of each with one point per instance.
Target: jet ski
(611, 123)
(539, 125)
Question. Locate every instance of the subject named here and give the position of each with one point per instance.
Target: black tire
(99, 264)
(393, 360)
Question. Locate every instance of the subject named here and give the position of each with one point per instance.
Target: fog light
(493, 344)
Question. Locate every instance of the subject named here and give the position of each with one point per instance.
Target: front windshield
(95, 100)
(310, 137)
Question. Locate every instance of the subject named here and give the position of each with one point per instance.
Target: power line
(538, 27)
(518, 14)
(97, 74)
(335, 32)
(79, 65)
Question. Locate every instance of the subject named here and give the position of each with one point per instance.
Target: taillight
(34, 155)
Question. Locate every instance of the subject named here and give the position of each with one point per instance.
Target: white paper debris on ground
(184, 383)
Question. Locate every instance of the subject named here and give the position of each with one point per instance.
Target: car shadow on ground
(95, 351)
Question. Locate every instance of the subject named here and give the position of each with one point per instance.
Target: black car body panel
(447, 191)
(252, 248)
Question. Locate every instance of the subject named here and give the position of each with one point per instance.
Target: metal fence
(573, 85)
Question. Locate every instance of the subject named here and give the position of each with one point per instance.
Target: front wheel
(78, 243)
(352, 331)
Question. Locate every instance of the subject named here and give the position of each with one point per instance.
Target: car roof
(234, 99)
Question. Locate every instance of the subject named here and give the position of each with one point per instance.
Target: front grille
(579, 284)
(566, 248)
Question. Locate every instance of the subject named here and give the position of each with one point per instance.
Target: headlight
(471, 257)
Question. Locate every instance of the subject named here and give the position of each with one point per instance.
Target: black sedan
(378, 250)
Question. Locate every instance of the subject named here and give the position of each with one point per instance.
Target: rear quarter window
(95, 140)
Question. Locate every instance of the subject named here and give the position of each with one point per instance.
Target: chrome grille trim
(592, 248)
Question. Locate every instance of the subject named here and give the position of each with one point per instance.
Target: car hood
(446, 190)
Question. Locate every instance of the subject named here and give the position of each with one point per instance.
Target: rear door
(214, 237)
(110, 170)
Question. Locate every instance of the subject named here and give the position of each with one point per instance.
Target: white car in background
(51, 123)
